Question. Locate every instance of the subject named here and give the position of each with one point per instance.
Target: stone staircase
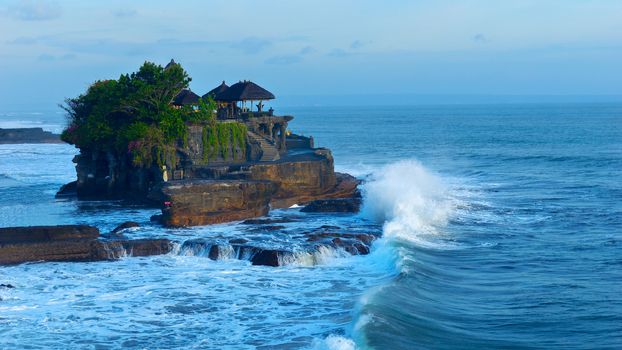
(270, 152)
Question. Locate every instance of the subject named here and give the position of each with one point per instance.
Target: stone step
(270, 152)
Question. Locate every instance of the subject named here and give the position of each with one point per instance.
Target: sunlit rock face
(202, 202)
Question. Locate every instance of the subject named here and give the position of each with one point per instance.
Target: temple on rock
(244, 102)
(234, 166)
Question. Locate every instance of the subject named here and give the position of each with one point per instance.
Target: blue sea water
(502, 229)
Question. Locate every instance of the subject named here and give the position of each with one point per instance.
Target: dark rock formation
(317, 242)
(342, 205)
(32, 234)
(202, 202)
(105, 174)
(266, 221)
(68, 190)
(124, 226)
(242, 181)
(70, 243)
(108, 175)
(28, 135)
(146, 247)
(353, 243)
(267, 257)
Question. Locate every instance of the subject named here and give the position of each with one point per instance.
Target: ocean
(501, 224)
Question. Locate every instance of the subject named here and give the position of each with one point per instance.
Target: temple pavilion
(241, 100)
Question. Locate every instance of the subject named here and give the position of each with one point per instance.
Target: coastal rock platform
(28, 135)
(70, 243)
(318, 245)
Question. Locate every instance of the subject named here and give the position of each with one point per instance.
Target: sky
(50, 50)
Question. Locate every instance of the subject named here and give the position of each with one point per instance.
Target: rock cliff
(202, 202)
(213, 178)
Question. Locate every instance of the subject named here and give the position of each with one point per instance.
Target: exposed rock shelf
(27, 135)
(70, 243)
(320, 245)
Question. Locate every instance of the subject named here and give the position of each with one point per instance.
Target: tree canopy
(134, 113)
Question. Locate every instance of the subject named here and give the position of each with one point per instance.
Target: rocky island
(202, 159)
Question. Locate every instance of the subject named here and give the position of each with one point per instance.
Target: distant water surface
(502, 230)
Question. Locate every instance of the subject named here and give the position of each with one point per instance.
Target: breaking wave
(413, 204)
(409, 200)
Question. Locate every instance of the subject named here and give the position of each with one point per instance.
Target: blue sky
(54, 49)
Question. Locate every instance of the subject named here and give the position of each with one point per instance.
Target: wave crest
(409, 199)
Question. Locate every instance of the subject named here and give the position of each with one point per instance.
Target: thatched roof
(186, 97)
(170, 64)
(217, 90)
(244, 91)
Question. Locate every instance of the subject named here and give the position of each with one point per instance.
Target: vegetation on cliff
(221, 138)
(133, 115)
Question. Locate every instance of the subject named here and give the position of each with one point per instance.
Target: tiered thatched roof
(217, 90)
(186, 97)
(244, 91)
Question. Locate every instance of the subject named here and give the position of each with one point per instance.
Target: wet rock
(267, 257)
(341, 205)
(361, 248)
(202, 202)
(124, 226)
(353, 243)
(214, 252)
(156, 218)
(267, 221)
(31, 234)
(238, 241)
(68, 190)
(195, 247)
(147, 247)
(7, 286)
(70, 243)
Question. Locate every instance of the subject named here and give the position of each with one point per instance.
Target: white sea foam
(413, 204)
(322, 256)
(335, 342)
(409, 200)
